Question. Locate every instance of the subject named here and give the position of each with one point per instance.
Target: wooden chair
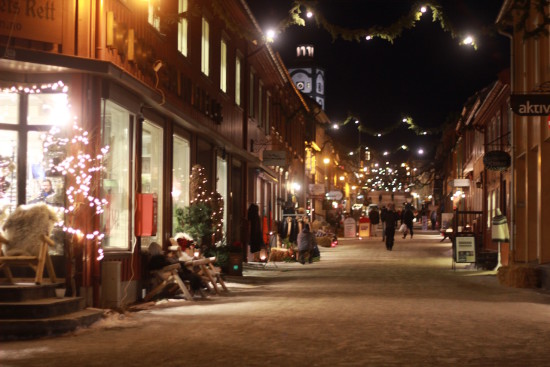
(167, 278)
(37, 263)
(208, 272)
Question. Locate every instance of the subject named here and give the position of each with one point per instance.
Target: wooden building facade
(165, 85)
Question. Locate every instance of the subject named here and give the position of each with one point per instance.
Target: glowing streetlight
(309, 14)
(335, 126)
(423, 9)
(420, 151)
(469, 40)
(368, 38)
(270, 35)
(326, 160)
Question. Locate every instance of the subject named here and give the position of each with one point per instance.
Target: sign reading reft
(37, 20)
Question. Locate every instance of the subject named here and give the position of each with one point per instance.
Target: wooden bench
(37, 263)
(208, 272)
(168, 277)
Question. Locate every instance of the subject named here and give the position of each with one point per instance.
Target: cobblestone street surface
(361, 305)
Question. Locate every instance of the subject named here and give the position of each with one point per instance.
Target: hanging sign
(316, 191)
(497, 160)
(274, 158)
(334, 195)
(536, 104)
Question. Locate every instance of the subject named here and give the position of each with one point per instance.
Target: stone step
(24, 290)
(20, 329)
(40, 308)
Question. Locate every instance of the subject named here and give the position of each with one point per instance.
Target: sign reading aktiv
(536, 104)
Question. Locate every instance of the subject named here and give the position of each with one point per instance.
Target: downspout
(512, 150)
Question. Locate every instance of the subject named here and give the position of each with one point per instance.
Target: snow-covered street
(361, 305)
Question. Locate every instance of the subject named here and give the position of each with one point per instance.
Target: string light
(84, 172)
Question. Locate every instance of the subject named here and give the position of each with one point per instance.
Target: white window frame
(251, 95)
(223, 65)
(205, 47)
(152, 16)
(238, 79)
(260, 103)
(182, 27)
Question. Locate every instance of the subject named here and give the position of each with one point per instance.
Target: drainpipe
(512, 150)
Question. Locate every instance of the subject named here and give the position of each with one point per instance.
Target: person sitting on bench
(158, 261)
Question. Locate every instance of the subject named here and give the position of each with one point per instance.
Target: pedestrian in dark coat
(306, 245)
(433, 218)
(256, 237)
(408, 217)
(383, 213)
(391, 222)
(374, 218)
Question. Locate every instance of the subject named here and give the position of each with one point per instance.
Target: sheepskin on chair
(24, 227)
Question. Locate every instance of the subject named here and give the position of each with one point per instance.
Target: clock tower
(308, 78)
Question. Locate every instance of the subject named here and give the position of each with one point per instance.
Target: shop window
(8, 168)
(48, 109)
(31, 181)
(221, 187)
(115, 185)
(43, 184)
(9, 110)
(151, 172)
(180, 180)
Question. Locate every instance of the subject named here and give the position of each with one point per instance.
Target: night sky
(424, 74)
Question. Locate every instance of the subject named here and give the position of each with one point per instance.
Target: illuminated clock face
(300, 85)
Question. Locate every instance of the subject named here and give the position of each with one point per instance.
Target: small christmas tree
(204, 215)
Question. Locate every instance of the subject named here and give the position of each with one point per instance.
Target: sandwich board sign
(465, 248)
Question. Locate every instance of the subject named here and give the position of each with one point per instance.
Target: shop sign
(316, 191)
(274, 157)
(461, 182)
(465, 249)
(335, 195)
(497, 160)
(350, 228)
(536, 104)
(36, 20)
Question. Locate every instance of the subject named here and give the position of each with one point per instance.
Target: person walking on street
(408, 217)
(374, 218)
(433, 218)
(306, 244)
(383, 213)
(391, 222)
